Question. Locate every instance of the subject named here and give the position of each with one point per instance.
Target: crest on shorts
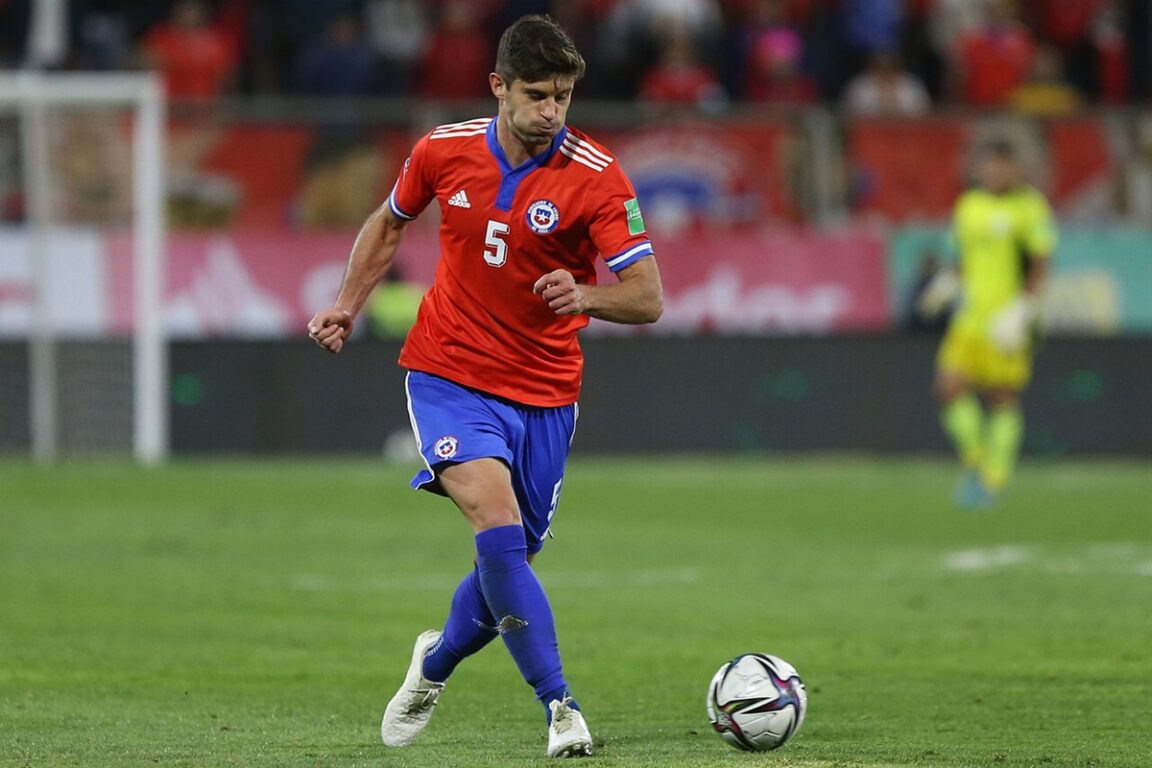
(446, 446)
(543, 216)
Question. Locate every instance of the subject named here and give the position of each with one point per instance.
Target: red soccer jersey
(501, 229)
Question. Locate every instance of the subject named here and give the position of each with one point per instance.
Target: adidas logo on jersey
(460, 200)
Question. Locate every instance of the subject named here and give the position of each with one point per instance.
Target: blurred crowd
(871, 56)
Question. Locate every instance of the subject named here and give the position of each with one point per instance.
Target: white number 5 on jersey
(498, 255)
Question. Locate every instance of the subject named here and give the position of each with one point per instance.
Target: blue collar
(513, 176)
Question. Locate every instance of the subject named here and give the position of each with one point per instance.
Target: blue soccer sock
(523, 615)
(558, 694)
(469, 628)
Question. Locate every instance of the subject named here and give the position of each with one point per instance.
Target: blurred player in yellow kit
(1004, 234)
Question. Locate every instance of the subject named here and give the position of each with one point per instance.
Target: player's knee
(1003, 398)
(487, 516)
(948, 389)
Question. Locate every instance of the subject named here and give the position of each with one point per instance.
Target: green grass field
(261, 613)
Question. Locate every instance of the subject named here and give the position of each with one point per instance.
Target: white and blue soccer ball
(756, 702)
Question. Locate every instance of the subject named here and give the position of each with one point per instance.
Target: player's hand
(941, 292)
(1011, 328)
(562, 293)
(330, 328)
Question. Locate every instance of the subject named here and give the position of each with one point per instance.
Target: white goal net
(83, 354)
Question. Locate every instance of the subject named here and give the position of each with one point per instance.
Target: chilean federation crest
(446, 446)
(543, 217)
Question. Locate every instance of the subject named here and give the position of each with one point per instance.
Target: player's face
(534, 112)
(998, 174)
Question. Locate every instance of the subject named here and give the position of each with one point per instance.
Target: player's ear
(497, 84)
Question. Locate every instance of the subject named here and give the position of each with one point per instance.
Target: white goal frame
(31, 92)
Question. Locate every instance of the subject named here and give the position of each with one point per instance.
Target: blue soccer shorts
(455, 424)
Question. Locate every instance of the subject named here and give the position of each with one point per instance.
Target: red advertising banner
(787, 281)
(913, 170)
(906, 169)
(775, 282)
(266, 284)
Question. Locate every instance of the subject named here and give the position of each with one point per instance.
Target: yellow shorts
(968, 351)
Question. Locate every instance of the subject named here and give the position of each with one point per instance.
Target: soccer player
(1005, 234)
(527, 204)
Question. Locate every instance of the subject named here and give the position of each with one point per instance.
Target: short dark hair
(536, 48)
(999, 148)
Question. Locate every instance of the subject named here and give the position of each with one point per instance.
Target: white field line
(1143, 568)
(1125, 558)
(986, 559)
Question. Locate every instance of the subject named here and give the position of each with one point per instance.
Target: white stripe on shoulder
(596, 159)
(479, 121)
(455, 130)
(575, 154)
(591, 150)
(458, 134)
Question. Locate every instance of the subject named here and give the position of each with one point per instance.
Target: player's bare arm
(637, 298)
(372, 253)
(1037, 275)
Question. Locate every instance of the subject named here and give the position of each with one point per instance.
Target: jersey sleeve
(414, 190)
(951, 238)
(1038, 228)
(617, 227)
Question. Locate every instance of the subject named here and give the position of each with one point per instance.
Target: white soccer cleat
(411, 707)
(568, 733)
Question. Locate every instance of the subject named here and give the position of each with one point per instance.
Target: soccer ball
(756, 702)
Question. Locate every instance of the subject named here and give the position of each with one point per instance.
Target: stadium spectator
(952, 20)
(339, 63)
(1112, 59)
(886, 89)
(1046, 93)
(994, 59)
(1063, 23)
(398, 30)
(867, 26)
(632, 33)
(701, 16)
(1067, 26)
(232, 22)
(970, 51)
(756, 18)
(774, 69)
(194, 57)
(680, 78)
(458, 56)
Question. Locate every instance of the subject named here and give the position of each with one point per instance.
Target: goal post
(37, 98)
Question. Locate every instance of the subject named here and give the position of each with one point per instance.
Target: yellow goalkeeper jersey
(995, 236)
